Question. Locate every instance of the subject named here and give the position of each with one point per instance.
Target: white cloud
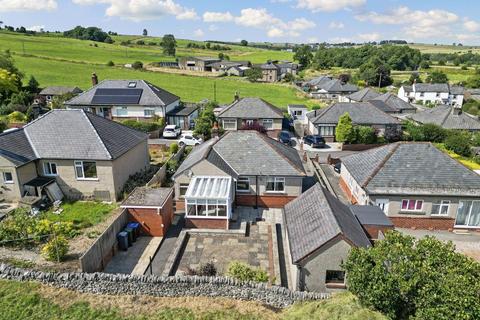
(212, 27)
(139, 10)
(199, 33)
(339, 40)
(217, 16)
(275, 33)
(312, 40)
(329, 5)
(468, 37)
(27, 5)
(471, 25)
(36, 28)
(300, 24)
(250, 17)
(374, 36)
(336, 25)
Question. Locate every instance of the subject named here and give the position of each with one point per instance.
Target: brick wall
(150, 221)
(372, 230)
(270, 201)
(206, 223)
(180, 205)
(273, 133)
(423, 223)
(347, 192)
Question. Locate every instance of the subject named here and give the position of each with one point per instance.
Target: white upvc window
(183, 189)
(50, 169)
(243, 184)
(86, 170)
(7, 177)
(122, 111)
(441, 208)
(268, 123)
(412, 205)
(249, 122)
(230, 124)
(275, 184)
(326, 130)
(148, 113)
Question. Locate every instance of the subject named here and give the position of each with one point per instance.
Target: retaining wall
(161, 174)
(102, 250)
(159, 286)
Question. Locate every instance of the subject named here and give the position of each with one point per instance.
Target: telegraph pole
(214, 91)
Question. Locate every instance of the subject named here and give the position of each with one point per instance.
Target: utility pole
(214, 91)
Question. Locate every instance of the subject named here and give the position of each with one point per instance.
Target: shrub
(208, 270)
(173, 148)
(56, 249)
(244, 272)
(459, 143)
(110, 63)
(141, 126)
(140, 42)
(433, 133)
(344, 131)
(365, 135)
(17, 116)
(137, 65)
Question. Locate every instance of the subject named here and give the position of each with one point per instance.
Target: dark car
(284, 137)
(337, 167)
(314, 141)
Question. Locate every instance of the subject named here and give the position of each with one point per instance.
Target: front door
(383, 204)
(468, 214)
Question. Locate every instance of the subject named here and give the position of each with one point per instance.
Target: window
(468, 214)
(441, 208)
(50, 169)
(275, 184)
(86, 170)
(297, 112)
(122, 112)
(207, 208)
(454, 96)
(268, 123)
(183, 189)
(132, 84)
(335, 277)
(412, 205)
(326, 131)
(422, 94)
(243, 184)
(437, 95)
(230, 124)
(149, 112)
(7, 177)
(249, 122)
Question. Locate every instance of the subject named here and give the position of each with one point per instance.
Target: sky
(298, 21)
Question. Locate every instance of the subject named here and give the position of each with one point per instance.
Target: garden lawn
(467, 162)
(83, 214)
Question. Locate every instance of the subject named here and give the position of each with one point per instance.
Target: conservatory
(209, 197)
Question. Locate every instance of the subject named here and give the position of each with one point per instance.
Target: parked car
(284, 137)
(337, 167)
(189, 140)
(172, 131)
(314, 141)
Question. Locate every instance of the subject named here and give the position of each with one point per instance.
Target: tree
(344, 131)
(375, 72)
(169, 44)
(365, 135)
(33, 84)
(58, 101)
(405, 278)
(137, 65)
(244, 43)
(253, 74)
(145, 32)
(437, 77)
(345, 77)
(204, 123)
(303, 55)
(415, 77)
(425, 64)
(460, 143)
(473, 81)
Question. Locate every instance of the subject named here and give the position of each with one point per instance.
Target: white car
(171, 131)
(189, 140)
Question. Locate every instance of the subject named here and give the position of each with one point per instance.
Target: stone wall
(159, 286)
(159, 178)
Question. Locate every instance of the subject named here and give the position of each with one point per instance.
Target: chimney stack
(215, 130)
(94, 79)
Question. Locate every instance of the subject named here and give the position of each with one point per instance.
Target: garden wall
(159, 286)
(161, 174)
(104, 248)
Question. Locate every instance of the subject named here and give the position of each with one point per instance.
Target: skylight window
(132, 84)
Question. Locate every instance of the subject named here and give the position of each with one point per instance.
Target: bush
(110, 63)
(459, 143)
(173, 148)
(365, 135)
(140, 42)
(425, 132)
(17, 116)
(56, 249)
(344, 131)
(141, 126)
(208, 270)
(137, 65)
(244, 272)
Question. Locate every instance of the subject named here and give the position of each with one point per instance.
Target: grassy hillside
(34, 301)
(430, 48)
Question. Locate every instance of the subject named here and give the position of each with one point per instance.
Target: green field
(430, 48)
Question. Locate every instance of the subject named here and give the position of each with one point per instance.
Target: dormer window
(132, 84)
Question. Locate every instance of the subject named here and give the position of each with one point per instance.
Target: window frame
(149, 110)
(50, 173)
(230, 121)
(244, 179)
(81, 164)
(415, 207)
(275, 181)
(441, 204)
(118, 114)
(335, 283)
(270, 124)
(182, 186)
(5, 180)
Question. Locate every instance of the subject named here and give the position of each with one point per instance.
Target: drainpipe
(256, 192)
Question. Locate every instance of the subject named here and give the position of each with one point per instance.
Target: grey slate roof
(371, 215)
(319, 81)
(457, 90)
(362, 113)
(336, 85)
(432, 87)
(182, 111)
(151, 94)
(413, 168)
(77, 134)
(443, 116)
(394, 102)
(251, 108)
(268, 66)
(363, 95)
(147, 197)
(383, 106)
(14, 146)
(315, 218)
(246, 153)
(59, 90)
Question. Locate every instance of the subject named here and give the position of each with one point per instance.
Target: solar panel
(117, 96)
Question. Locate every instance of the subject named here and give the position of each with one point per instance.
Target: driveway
(468, 243)
(330, 147)
(168, 141)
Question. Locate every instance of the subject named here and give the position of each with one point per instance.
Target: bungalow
(125, 99)
(321, 231)
(448, 117)
(245, 112)
(70, 152)
(363, 95)
(394, 103)
(224, 65)
(332, 90)
(49, 93)
(415, 184)
(241, 168)
(436, 93)
(324, 121)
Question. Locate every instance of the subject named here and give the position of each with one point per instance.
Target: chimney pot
(94, 79)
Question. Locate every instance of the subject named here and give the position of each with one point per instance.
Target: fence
(161, 174)
(102, 250)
